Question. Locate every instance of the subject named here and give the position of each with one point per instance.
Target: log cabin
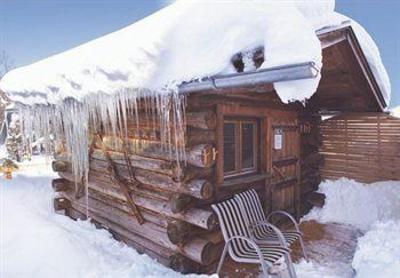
(237, 137)
(237, 134)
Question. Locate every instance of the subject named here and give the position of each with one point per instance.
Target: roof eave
(346, 32)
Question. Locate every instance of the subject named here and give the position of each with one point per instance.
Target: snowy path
(35, 242)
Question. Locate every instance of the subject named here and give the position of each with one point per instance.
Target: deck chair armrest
(284, 213)
(273, 228)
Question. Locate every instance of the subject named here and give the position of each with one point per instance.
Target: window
(240, 147)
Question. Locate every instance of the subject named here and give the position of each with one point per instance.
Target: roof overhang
(347, 83)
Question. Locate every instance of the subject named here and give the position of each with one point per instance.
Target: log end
(180, 202)
(59, 166)
(207, 190)
(61, 204)
(179, 232)
(212, 222)
(60, 185)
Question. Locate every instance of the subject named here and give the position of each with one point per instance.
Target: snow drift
(374, 208)
(358, 204)
(378, 252)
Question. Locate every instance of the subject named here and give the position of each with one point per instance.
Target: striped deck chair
(241, 246)
(254, 214)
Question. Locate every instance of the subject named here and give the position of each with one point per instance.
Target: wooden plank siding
(361, 146)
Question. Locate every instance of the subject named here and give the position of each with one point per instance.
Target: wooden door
(285, 155)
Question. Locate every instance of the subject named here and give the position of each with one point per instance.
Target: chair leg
(221, 261)
(289, 264)
(264, 267)
(303, 248)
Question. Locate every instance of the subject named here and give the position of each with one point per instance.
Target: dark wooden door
(285, 154)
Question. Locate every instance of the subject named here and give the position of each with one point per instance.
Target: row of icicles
(72, 123)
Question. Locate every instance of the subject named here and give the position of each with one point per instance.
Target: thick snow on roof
(184, 41)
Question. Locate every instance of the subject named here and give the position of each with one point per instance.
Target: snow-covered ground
(374, 208)
(35, 242)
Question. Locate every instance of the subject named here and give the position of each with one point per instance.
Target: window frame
(239, 170)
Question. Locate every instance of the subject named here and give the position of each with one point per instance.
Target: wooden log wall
(361, 146)
(179, 229)
(311, 160)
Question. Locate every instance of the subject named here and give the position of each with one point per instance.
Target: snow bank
(35, 242)
(374, 208)
(378, 252)
(358, 204)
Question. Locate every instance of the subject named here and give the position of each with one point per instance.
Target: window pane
(229, 147)
(248, 154)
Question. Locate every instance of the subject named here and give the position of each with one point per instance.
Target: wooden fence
(364, 147)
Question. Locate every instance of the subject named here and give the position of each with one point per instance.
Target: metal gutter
(253, 78)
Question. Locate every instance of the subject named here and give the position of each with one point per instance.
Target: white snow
(358, 204)
(375, 208)
(35, 242)
(153, 56)
(378, 253)
(176, 44)
(395, 111)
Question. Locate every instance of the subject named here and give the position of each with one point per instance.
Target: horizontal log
(157, 165)
(177, 173)
(200, 189)
(200, 155)
(202, 120)
(201, 218)
(191, 137)
(197, 249)
(104, 181)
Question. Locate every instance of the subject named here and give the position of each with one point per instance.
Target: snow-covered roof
(190, 40)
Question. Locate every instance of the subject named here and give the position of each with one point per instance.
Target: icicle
(72, 121)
